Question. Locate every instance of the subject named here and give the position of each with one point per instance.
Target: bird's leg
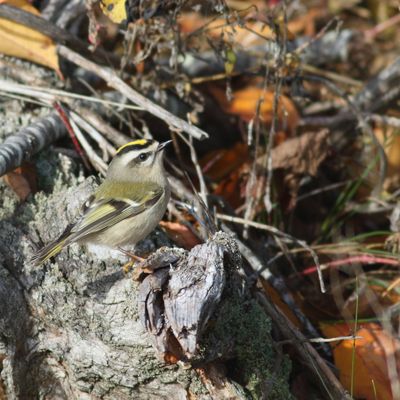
(130, 254)
(130, 264)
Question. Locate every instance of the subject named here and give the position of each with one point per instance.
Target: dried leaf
(371, 359)
(307, 22)
(303, 154)
(22, 42)
(297, 157)
(230, 61)
(180, 234)
(224, 167)
(246, 102)
(233, 187)
(22, 181)
(254, 33)
(177, 300)
(219, 164)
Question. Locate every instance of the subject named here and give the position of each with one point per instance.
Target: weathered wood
(194, 291)
(177, 301)
(70, 330)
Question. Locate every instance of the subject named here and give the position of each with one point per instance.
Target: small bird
(126, 207)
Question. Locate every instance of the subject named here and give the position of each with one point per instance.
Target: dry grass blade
(51, 95)
(113, 80)
(281, 234)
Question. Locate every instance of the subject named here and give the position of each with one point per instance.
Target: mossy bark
(71, 329)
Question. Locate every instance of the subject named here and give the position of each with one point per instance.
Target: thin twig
(321, 372)
(199, 172)
(360, 259)
(384, 120)
(72, 133)
(281, 234)
(370, 34)
(112, 134)
(52, 95)
(114, 81)
(107, 148)
(334, 339)
(324, 340)
(95, 160)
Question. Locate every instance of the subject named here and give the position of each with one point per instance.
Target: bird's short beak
(162, 145)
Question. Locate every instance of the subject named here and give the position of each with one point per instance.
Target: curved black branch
(29, 141)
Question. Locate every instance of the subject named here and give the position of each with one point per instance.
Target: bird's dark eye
(143, 157)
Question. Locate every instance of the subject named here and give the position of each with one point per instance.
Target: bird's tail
(50, 250)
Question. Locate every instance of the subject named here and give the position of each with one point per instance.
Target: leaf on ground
(307, 22)
(247, 101)
(220, 163)
(245, 33)
(298, 157)
(22, 181)
(249, 31)
(371, 359)
(233, 187)
(294, 158)
(302, 154)
(180, 234)
(20, 41)
(225, 167)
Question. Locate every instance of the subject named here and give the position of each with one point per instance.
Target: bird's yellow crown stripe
(139, 143)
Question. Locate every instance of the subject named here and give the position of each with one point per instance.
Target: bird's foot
(127, 267)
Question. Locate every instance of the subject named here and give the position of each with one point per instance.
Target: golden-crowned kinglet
(126, 207)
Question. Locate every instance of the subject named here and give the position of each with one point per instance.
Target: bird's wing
(105, 212)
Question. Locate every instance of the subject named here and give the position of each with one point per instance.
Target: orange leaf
(22, 181)
(180, 234)
(220, 163)
(232, 188)
(371, 359)
(252, 33)
(225, 167)
(246, 101)
(22, 42)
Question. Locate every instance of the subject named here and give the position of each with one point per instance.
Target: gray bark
(71, 329)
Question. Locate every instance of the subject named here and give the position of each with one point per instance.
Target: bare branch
(29, 141)
(114, 81)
